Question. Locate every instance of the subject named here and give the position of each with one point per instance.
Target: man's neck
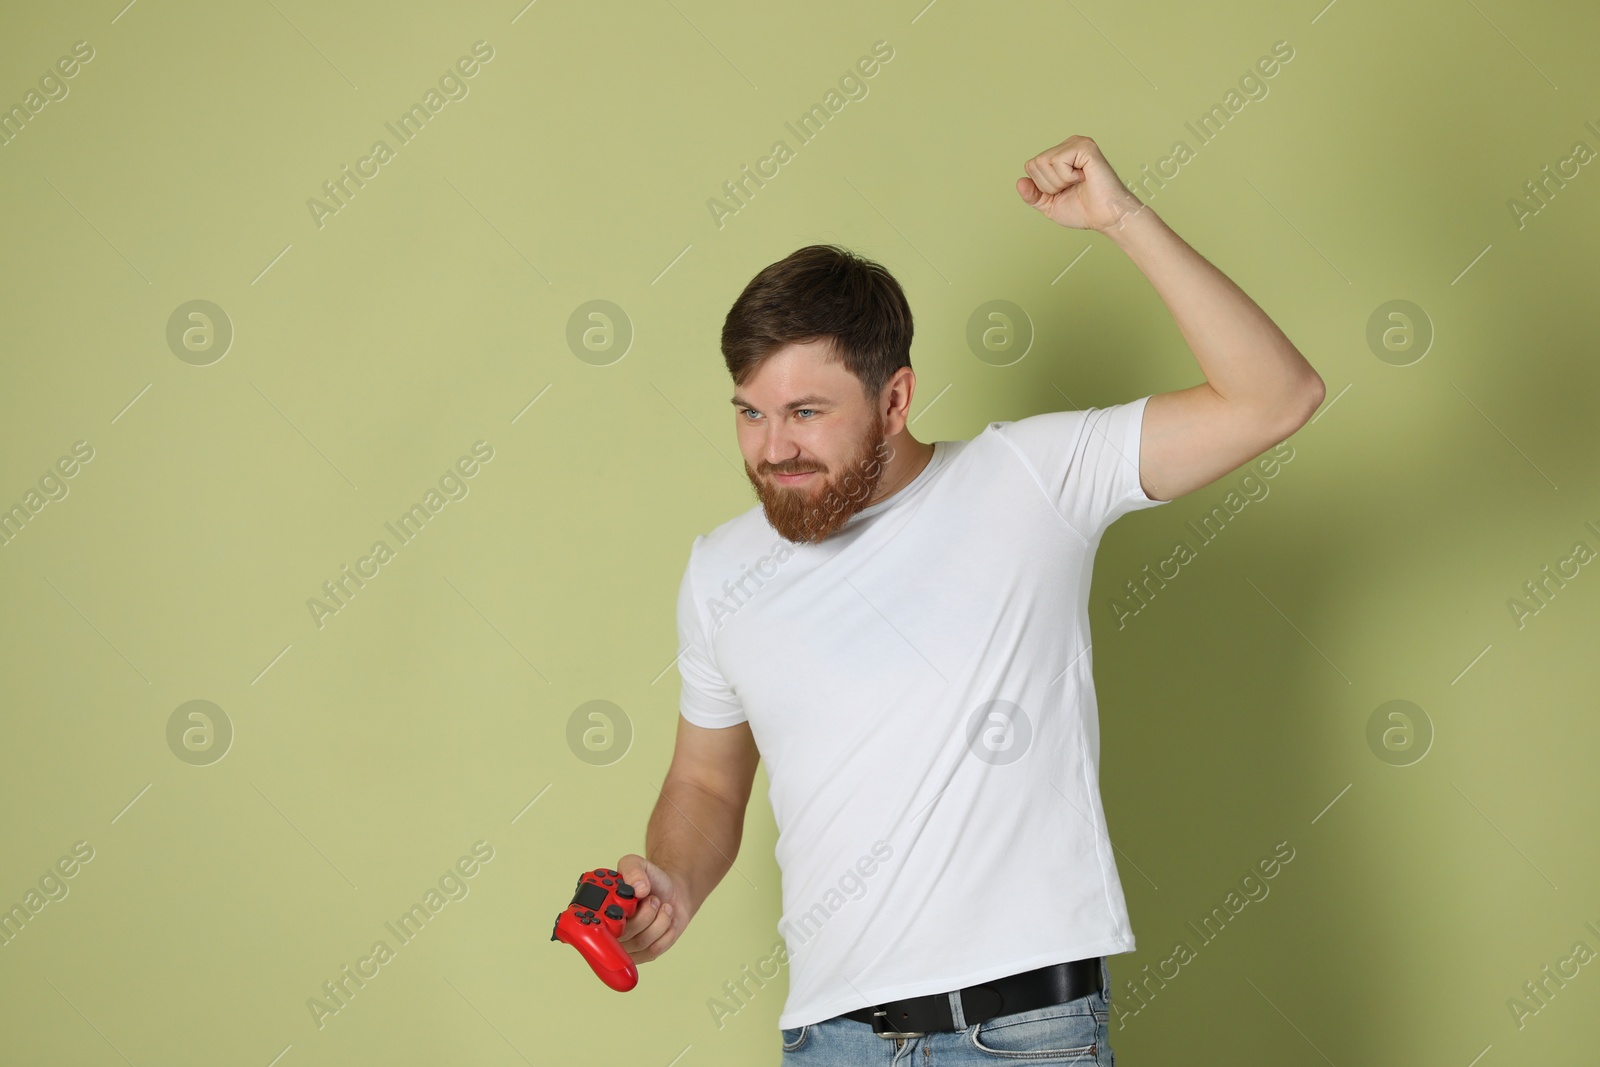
(909, 458)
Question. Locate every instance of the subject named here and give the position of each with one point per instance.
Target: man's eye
(748, 411)
(802, 411)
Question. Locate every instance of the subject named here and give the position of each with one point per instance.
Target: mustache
(783, 468)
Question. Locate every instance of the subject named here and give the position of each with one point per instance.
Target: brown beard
(811, 514)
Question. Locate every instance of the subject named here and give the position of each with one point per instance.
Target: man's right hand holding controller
(694, 829)
(664, 909)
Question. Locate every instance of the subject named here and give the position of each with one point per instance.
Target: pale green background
(428, 714)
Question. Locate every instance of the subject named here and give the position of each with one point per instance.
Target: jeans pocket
(1059, 1033)
(794, 1038)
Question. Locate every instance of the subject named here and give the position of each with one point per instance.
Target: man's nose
(779, 447)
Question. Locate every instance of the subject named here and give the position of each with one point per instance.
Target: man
(900, 631)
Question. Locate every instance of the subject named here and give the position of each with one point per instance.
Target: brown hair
(822, 291)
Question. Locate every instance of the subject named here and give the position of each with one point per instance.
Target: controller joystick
(601, 905)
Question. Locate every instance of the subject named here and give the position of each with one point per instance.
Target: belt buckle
(893, 1033)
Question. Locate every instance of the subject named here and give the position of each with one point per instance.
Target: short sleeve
(706, 699)
(1086, 462)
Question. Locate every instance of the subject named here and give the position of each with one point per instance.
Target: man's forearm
(694, 836)
(1244, 355)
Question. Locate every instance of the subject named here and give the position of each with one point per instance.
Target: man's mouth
(793, 479)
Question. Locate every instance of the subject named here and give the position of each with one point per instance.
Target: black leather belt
(1055, 984)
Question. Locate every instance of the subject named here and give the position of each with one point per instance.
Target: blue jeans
(1074, 1032)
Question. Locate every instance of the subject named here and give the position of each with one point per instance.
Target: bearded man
(912, 661)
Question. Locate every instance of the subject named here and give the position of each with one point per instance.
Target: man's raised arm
(1258, 390)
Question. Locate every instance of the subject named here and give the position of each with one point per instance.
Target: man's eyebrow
(793, 405)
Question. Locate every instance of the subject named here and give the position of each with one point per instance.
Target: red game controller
(593, 922)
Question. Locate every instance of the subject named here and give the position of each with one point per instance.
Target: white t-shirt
(920, 688)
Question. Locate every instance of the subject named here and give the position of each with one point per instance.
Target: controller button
(624, 890)
(607, 881)
(612, 873)
(601, 871)
(614, 911)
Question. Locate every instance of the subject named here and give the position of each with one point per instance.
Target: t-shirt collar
(934, 462)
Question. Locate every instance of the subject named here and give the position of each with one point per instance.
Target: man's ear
(895, 401)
